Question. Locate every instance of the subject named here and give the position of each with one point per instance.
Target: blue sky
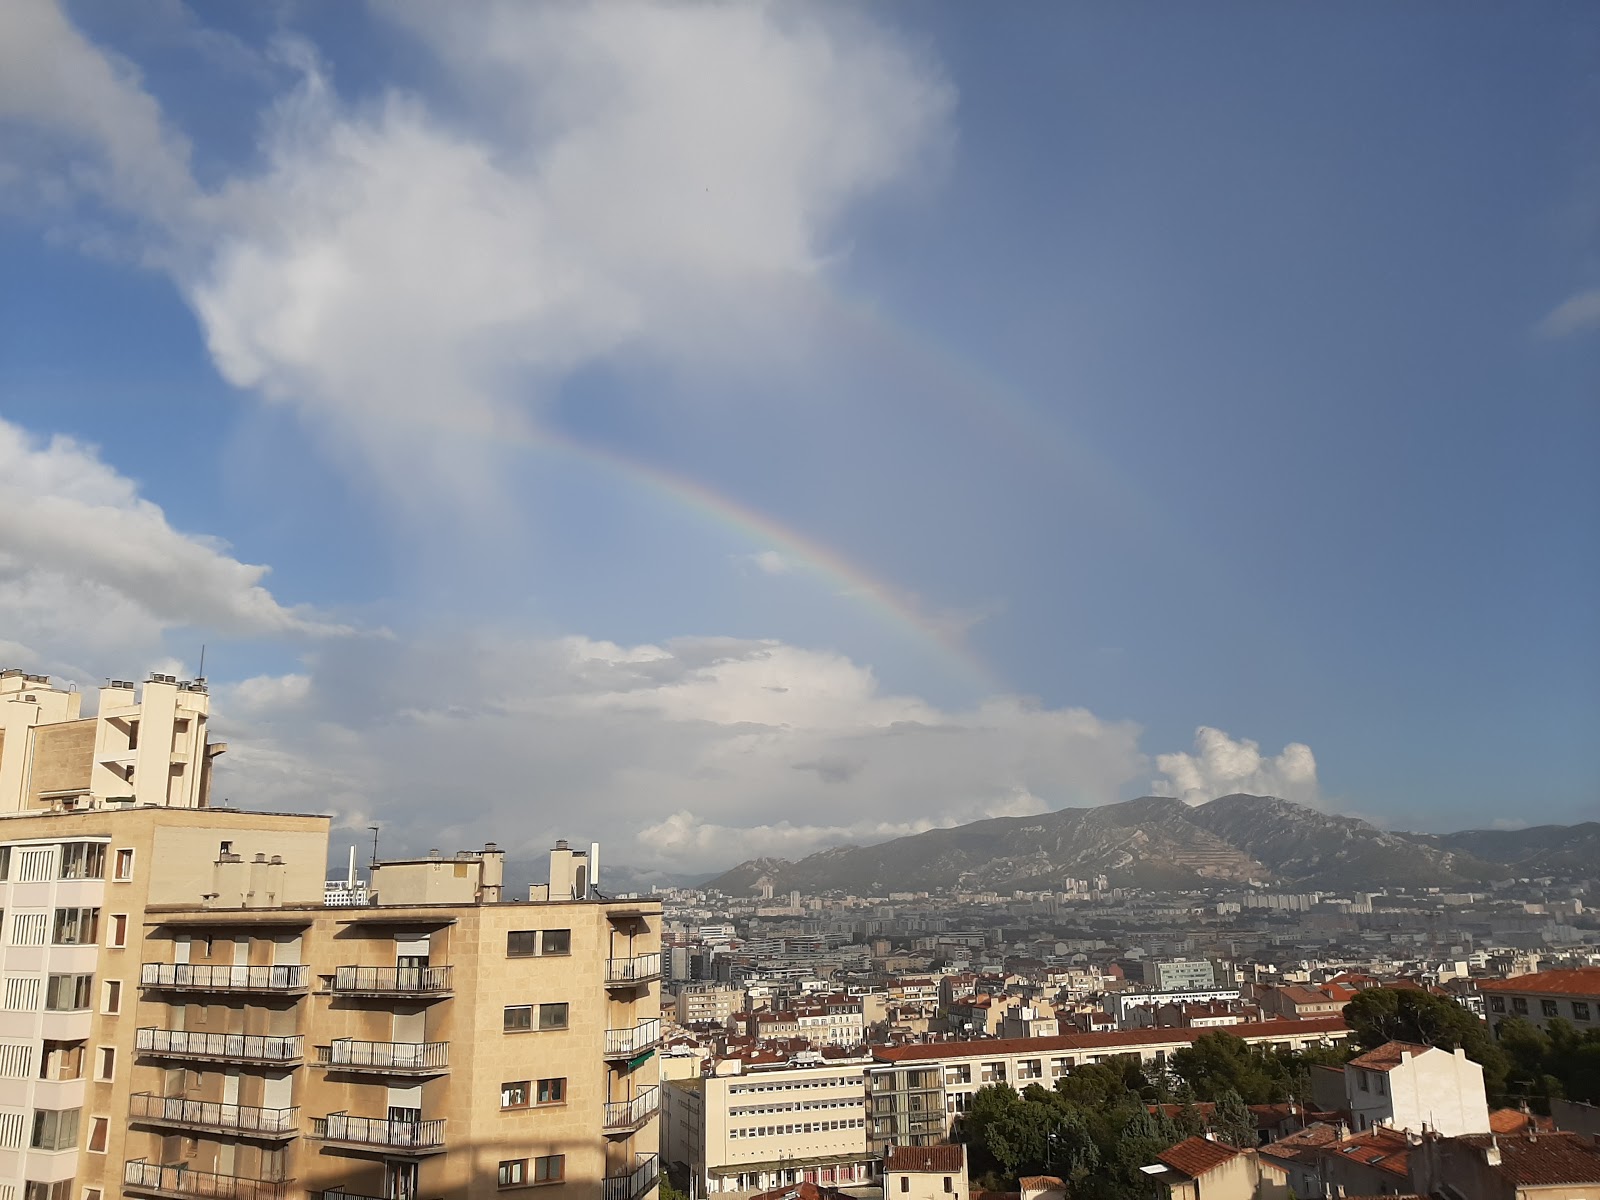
(667, 409)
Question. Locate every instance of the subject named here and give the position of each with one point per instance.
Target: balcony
(392, 981)
(386, 1058)
(377, 1133)
(152, 1179)
(636, 1182)
(218, 1047)
(218, 977)
(630, 1043)
(633, 972)
(627, 1116)
(241, 1120)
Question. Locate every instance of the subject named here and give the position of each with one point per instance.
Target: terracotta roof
(1303, 1144)
(1380, 1148)
(1040, 1183)
(1117, 1039)
(1514, 1120)
(1579, 981)
(931, 1159)
(1387, 1056)
(805, 1190)
(1195, 1156)
(1531, 1160)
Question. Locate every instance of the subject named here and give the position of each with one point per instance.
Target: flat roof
(1122, 1038)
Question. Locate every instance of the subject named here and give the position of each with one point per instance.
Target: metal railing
(385, 1056)
(180, 1043)
(243, 1119)
(377, 1131)
(625, 1114)
(180, 1180)
(638, 969)
(625, 1043)
(391, 980)
(220, 977)
(634, 1183)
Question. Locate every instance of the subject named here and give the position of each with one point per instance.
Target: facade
(926, 1173)
(1414, 1088)
(1182, 975)
(697, 1003)
(1545, 996)
(198, 1023)
(143, 746)
(1198, 1167)
(917, 1092)
(770, 1127)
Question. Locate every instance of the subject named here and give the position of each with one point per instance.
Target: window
(551, 1091)
(105, 1064)
(556, 941)
(1497, 1004)
(83, 860)
(55, 1129)
(949, 1185)
(61, 1061)
(111, 1002)
(99, 1130)
(60, 1190)
(521, 943)
(514, 1095)
(93, 1194)
(123, 869)
(67, 993)
(513, 1172)
(550, 1169)
(76, 926)
(1519, 1004)
(552, 1016)
(1580, 1010)
(519, 1018)
(5, 863)
(1365, 1082)
(905, 1183)
(1550, 1008)
(29, 928)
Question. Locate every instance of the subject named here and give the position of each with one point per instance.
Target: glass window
(556, 941)
(521, 943)
(77, 926)
(123, 870)
(60, 1190)
(55, 1129)
(1519, 1004)
(83, 860)
(1580, 1010)
(513, 1172)
(550, 1168)
(552, 1091)
(552, 1016)
(514, 1095)
(1497, 1004)
(519, 1018)
(1550, 1008)
(5, 863)
(68, 993)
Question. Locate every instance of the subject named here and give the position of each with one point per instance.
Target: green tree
(1231, 1121)
(1381, 1015)
(1218, 1063)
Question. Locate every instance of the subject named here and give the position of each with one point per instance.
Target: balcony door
(399, 1180)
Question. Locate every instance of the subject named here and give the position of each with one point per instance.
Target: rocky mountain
(1160, 842)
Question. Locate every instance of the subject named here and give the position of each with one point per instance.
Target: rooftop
(1577, 981)
(1194, 1156)
(930, 1159)
(1534, 1159)
(1112, 1040)
(1388, 1056)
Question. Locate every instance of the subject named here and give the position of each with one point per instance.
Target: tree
(1381, 1015)
(1219, 1063)
(1231, 1121)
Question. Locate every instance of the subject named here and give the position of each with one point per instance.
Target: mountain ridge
(1158, 841)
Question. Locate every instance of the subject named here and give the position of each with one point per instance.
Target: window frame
(111, 997)
(512, 1088)
(560, 1161)
(506, 1020)
(118, 856)
(566, 1016)
(512, 1173)
(548, 1092)
(533, 943)
(102, 1127)
(105, 1064)
(117, 931)
(563, 939)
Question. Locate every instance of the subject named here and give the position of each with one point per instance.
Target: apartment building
(771, 1125)
(1542, 997)
(698, 1003)
(1411, 1087)
(916, 1092)
(196, 1022)
(145, 745)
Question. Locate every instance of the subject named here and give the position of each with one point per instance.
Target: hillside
(1160, 842)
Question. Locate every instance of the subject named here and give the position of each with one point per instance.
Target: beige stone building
(144, 745)
(185, 1017)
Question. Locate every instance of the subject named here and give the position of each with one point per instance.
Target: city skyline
(760, 428)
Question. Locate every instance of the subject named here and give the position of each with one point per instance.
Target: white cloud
(90, 569)
(687, 756)
(1575, 314)
(621, 175)
(1222, 765)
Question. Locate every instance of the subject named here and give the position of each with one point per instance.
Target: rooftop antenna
(374, 829)
(201, 673)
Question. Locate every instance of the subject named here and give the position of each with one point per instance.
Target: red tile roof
(1579, 981)
(1532, 1160)
(1122, 1038)
(1303, 1144)
(1040, 1183)
(1388, 1056)
(932, 1159)
(1514, 1120)
(1380, 1148)
(1195, 1156)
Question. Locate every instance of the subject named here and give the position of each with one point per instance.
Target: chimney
(1491, 1156)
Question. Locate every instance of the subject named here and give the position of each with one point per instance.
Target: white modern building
(1416, 1088)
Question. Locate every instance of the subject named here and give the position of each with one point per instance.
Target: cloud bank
(1222, 765)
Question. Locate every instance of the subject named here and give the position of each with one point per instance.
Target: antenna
(374, 829)
(201, 673)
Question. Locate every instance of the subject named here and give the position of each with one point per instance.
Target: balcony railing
(392, 981)
(422, 1137)
(180, 1181)
(625, 1115)
(636, 1182)
(627, 1043)
(623, 972)
(220, 977)
(236, 1047)
(242, 1119)
(389, 1058)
